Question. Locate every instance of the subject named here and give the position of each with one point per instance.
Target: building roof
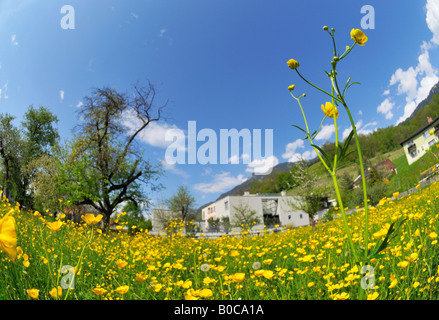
(417, 132)
(389, 165)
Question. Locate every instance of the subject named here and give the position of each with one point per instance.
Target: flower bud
(291, 88)
(325, 28)
(293, 64)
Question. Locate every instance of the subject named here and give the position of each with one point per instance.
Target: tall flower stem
(363, 174)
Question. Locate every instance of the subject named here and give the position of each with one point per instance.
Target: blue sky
(222, 63)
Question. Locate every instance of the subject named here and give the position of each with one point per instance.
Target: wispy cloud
(173, 169)
(221, 182)
(14, 40)
(292, 155)
(61, 95)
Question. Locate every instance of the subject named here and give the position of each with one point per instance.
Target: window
(431, 142)
(289, 217)
(410, 143)
(413, 154)
(426, 134)
(226, 205)
(300, 216)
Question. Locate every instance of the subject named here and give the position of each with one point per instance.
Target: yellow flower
(418, 186)
(268, 274)
(395, 194)
(329, 110)
(187, 284)
(8, 236)
(122, 289)
(268, 261)
(431, 132)
(99, 291)
(433, 235)
(293, 64)
(358, 36)
(121, 263)
(291, 88)
(403, 264)
(205, 293)
(311, 284)
(238, 277)
(372, 296)
(141, 277)
(90, 218)
(55, 293)
(33, 293)
(55, 226)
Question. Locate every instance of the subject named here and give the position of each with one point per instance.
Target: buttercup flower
(359, 37)
(90, 218)
(33, 293)
(205, 293)
(122, 289)
(328, 110)
(99, 291)
(8, 236)
(291, 88)
(293, 64)
(55, 226)
(56, 292)
(238, 277)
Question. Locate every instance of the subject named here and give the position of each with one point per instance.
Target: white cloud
(80, 104)
(433, 19)
(293, 156)
(360, 112)
(154, 134)
(61, 95)
(234, 159)
(221, 182)
(262, 166)
(325, 132)
(162, 33)
(13, 40)
(172, 168)
(386, 108)
(360, 128)
(416, 82)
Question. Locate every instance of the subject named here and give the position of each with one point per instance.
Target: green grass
(409, 175)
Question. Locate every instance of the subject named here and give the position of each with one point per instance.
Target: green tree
(182, 203)
(105, 167)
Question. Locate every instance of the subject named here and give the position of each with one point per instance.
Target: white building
(271, 209)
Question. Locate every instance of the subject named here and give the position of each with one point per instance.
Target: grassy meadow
(294, 264)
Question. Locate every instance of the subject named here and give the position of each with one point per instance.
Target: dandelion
(205, 267)
(256, 265)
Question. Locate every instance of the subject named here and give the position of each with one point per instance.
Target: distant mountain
(434, 91)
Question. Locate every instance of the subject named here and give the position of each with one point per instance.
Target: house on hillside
(271, 209)
(416, 144)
